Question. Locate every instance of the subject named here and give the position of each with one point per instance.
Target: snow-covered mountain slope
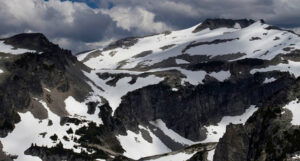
(221, 90)
(258, 40)
(177, 50)
(211, 51)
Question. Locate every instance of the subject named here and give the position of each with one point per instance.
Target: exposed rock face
(234, 144)
(268, 135)
(218, 23)
(193, 107)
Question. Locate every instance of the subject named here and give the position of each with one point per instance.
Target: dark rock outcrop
(59, 153)
(234, 144)
(4, 156)
(218, 23)
(126, 42)
(28, 73)
(32, 41)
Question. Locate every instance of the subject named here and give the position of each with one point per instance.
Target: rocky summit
(223, 90)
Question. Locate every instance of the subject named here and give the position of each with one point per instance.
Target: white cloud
(75, 25)
(130, 18)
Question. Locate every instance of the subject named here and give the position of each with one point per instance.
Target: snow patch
(269, 80)
(77, 109)
(221, 75)
(215, 132)
(294, 107)
(193, 77)
(21, 138)
(175, 89)
(237, 26)
(292, 67)
(181, 61)
(48, 90)
(136, 146)
(169, 132)
(176, 157)
(114, 94)
(297, 156)
(210, 155)
(4, 48)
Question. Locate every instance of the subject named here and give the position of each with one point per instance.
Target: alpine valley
(223, 90)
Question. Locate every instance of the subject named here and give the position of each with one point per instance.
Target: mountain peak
(220, 22)
(31, 41)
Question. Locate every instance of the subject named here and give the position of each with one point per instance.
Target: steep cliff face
(270, 134)
(188, 110)
(168, 96)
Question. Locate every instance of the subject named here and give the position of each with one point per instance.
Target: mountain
(222, 90)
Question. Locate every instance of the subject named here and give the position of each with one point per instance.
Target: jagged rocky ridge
(154, 97)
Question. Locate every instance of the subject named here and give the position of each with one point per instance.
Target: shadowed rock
(218, 23)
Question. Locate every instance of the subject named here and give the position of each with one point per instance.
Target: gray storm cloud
(78, 27)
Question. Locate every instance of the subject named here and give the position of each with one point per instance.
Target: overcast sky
(85, 24)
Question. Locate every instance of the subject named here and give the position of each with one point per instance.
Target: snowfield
(255, 41)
